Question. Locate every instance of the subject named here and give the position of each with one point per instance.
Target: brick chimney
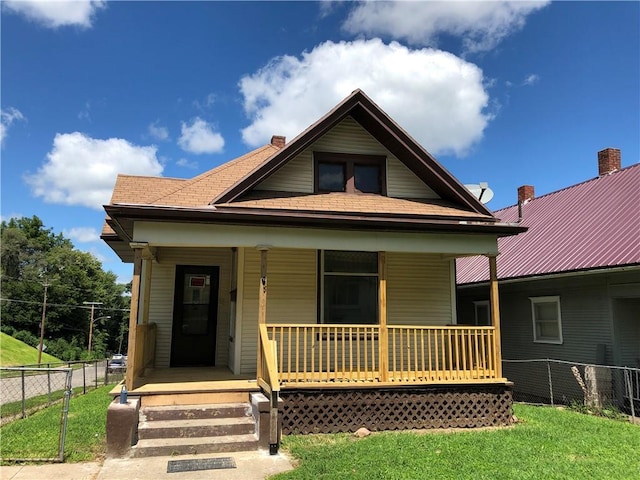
(525, 193)
(278, 141)
(608, 161)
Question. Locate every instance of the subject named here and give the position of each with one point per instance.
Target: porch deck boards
(190, 380)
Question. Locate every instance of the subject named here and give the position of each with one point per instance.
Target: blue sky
(510, 93)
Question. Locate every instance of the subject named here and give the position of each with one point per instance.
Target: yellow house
(319, 273)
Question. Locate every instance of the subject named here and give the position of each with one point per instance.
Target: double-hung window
(350, 173)
(547, 323)
(349, 288)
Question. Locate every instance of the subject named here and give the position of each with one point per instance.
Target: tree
(32, 256)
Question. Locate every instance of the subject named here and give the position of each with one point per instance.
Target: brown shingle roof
(349, 203)
(139, 189)
(202, 189)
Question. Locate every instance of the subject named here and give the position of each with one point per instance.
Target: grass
(37, 435)
(14, 352)
(547, 443)
(14, 408)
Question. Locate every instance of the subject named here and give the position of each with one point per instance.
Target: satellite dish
(481, 191)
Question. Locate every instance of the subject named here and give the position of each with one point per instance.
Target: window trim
(321, 289)
(349, 160)
(547, 299)
(482, 303)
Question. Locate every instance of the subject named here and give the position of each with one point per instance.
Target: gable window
(349, 287)
(482, 313)
(351, 173)
(547, 324)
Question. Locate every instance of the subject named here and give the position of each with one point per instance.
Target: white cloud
(158, 131)
(199, 137)
(206, 103)
(7, 117)
(480, 24)
(183, 162)
(57, 13)
(81, 170)
(531, 79)
(82, 234)
(437, 97)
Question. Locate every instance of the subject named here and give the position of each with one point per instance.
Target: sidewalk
(249, 466)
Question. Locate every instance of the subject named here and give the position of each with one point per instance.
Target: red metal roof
(594, 224)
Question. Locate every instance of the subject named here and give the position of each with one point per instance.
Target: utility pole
(93, 305)
(44, 313)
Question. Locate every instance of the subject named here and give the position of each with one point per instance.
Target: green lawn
(37, 435)
(14, 352)
(548, 443)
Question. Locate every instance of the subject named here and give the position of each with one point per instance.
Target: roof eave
(284, 218)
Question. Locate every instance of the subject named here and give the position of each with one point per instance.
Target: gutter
(573, 273)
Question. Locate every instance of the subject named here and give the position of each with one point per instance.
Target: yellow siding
(295, 176)
(161, 309)
(291, 295)
(418, 289)
(162, 289)
(346, 137)
(402, 183)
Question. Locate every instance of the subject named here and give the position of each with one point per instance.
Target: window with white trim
(349, 287)
(547, 322)
(482, 312)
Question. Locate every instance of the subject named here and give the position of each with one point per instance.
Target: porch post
(495, 312)
(383, 337)
(262, 302)
(132, 361)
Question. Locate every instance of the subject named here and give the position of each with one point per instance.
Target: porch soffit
(160, 234)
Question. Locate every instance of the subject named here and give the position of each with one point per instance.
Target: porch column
(495, 312)
(383, 337)
(262, 302)
(132, 362)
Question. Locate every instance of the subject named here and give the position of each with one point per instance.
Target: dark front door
(195, 308)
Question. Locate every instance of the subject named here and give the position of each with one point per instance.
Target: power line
(30, 302)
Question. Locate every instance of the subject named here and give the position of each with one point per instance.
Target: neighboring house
(320, 272)
(570, 285)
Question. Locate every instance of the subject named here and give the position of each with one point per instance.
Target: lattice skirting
(339, 410)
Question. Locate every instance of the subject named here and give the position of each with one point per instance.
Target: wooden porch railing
(346, 354)
(267, 366)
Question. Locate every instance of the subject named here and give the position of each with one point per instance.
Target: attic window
(350, 173)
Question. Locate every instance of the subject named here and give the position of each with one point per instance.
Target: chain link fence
(27, 389)
(603, 389)
(36, 388)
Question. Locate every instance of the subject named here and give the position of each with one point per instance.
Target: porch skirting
(346, 410)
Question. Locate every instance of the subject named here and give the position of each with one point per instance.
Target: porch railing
(346, 354)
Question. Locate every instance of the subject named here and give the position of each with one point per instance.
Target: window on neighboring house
(349, 287)
(482, 312)
(547, 324)
(351, 173)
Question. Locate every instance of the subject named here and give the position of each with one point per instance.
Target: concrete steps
(191, 429)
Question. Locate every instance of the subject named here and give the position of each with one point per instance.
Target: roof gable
(384, 130)
(591, 225)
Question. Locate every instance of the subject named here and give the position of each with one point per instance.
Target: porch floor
(190, 380)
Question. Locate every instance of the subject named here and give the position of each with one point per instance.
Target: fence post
(106, 373)
(629, 385)
(550, 381)
(84, 378)
(65, 414)
(49, 384)
(24, 399)
(95, 371)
